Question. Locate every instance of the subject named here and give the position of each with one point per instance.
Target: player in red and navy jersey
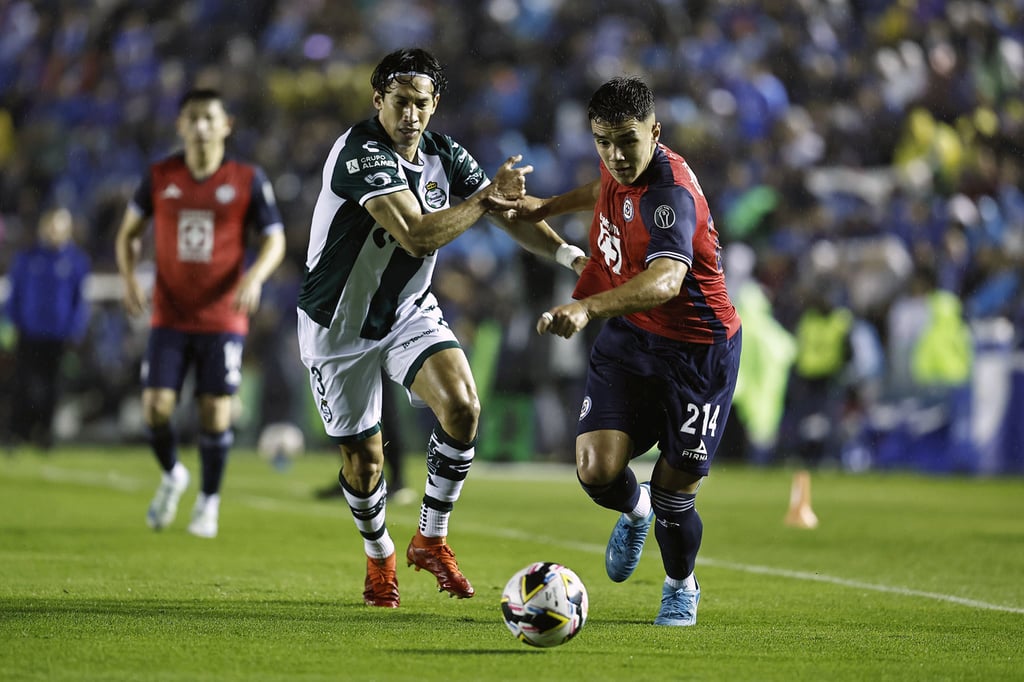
(202, 205)
(663, 368)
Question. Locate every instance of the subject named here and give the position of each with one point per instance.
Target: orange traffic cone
(800, 514)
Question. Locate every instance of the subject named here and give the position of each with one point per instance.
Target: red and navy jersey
(199, 230)
(663, 215)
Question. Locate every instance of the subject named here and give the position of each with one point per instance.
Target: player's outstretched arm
(541, 239)
(420, 234)
(535, 209)
(659, 283)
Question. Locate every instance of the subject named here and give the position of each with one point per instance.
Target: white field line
(123, 483)
(858, 585)
(768, 570)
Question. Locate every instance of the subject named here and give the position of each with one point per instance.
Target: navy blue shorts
(661, 391)
(217, 359)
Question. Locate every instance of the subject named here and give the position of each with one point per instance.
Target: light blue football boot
(678, 607)
(626, 544)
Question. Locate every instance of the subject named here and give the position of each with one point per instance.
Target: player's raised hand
(510, 181)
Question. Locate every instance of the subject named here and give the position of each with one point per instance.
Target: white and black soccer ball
(545, 604)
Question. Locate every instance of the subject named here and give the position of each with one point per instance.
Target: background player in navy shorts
(663, 369)
(201, 204)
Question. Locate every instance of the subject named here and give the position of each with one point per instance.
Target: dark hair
(198, 95)
(621, 99)
(404, 62)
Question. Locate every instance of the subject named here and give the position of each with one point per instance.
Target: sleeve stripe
(387, 190)
(670, 254)
(486, 183)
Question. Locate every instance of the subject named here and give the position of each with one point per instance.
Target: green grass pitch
(907, 578)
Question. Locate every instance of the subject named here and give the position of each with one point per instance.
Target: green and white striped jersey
(358, 279)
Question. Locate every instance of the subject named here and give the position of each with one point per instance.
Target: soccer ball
(281, 442)
(544, 604)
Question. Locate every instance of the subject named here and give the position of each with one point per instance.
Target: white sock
(688, 583)
(381, 548)
(178, 473)
(642, 508)
(433, 523)
(369, 514)
(204, 501)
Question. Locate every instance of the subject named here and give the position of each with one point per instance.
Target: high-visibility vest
(821, 342)
(943, 353)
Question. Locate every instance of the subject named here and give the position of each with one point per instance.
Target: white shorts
(345, 371)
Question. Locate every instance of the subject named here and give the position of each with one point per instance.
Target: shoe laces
(678, 604)
(630, 537)
(379, 570)
(446, 556)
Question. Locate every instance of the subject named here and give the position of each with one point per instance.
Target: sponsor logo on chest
(354, 166)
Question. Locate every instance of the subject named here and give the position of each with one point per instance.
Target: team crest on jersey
(664, 217)
(434, 195)
(627, 209)
(195, 236)
(225, 194)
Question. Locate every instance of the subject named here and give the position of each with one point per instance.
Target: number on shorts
(709, 422)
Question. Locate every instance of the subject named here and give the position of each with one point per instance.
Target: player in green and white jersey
(393, 193)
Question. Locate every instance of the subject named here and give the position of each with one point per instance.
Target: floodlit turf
(907, 578)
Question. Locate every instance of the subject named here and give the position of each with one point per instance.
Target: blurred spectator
(930, 348)
(817, 385)
(48, 309)
(765, 364)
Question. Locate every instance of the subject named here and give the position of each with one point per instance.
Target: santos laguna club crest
(434, 196)
(325, 411)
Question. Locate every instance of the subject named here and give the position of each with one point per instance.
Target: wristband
(566, 254)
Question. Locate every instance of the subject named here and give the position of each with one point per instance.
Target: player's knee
(461, 417)
(360, 470)
(594, 470)
(215, 413)
(158, 407)
(158, 415)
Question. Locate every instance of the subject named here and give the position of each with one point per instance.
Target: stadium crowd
(863, 160)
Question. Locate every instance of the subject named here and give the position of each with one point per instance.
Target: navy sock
(679, 530)
(620, 495)
(164, 442)
(213, 454)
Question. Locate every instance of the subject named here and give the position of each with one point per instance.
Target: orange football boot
(381, 586)
(435, 556)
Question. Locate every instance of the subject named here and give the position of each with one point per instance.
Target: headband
(410, 74)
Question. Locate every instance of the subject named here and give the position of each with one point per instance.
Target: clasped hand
(508, 185)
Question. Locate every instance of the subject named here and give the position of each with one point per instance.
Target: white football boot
(164, 506)
(204, 516)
